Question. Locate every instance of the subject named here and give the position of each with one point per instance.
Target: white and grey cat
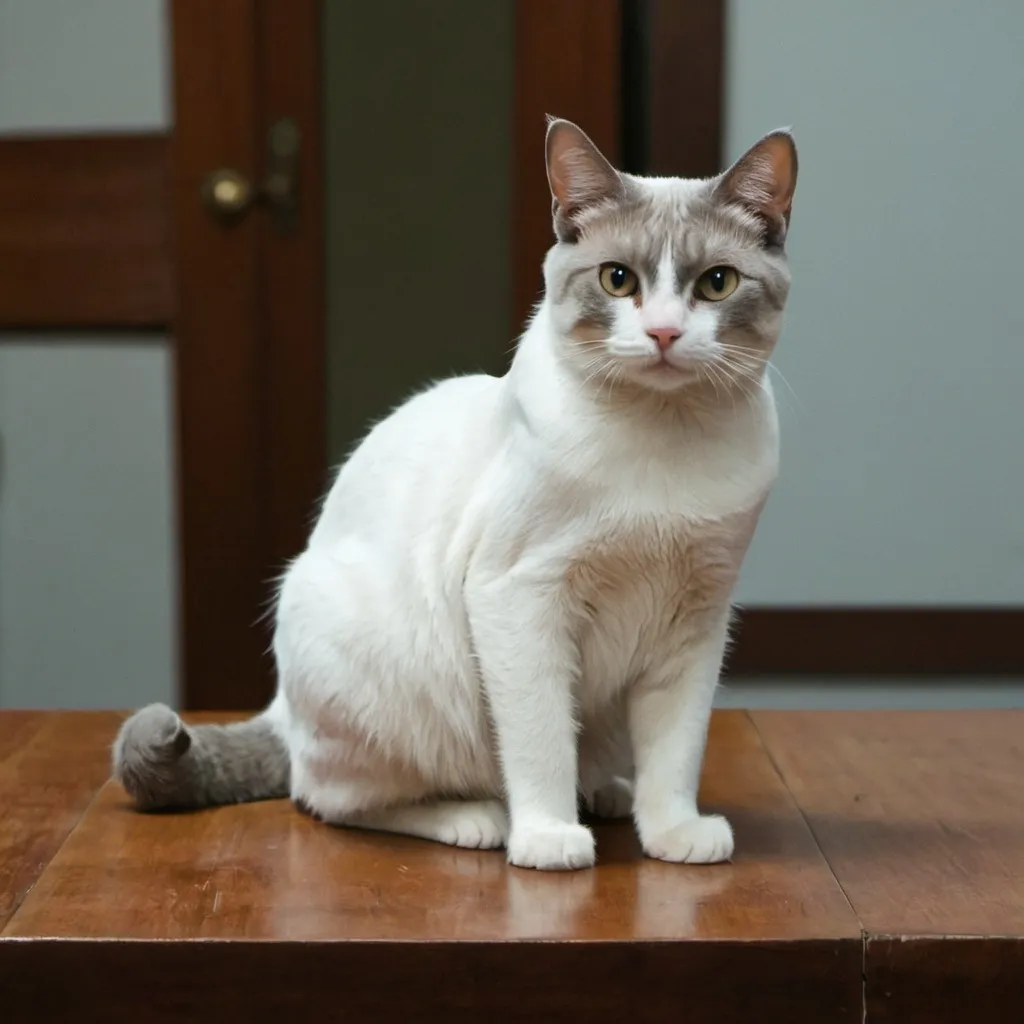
(518, 590)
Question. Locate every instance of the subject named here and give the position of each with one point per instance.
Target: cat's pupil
(718, 280)
(618, 277)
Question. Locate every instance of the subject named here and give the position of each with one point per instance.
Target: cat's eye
(717, 283)
(618, 280)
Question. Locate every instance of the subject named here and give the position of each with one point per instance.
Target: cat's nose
(664, 336)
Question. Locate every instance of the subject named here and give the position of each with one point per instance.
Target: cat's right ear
(579, 175)
(762, 181)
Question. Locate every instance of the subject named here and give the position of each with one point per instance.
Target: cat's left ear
(763, 181)
(579, 175)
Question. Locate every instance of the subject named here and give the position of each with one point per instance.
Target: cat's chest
(672, 561)
(642, 594)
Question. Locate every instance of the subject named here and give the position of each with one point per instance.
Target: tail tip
(145, 750)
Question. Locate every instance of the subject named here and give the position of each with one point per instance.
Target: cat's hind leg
(475, 824)
(472, 824)
(372, 794)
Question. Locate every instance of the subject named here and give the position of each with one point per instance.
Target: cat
(517, 594)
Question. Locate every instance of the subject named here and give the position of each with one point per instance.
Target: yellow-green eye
(717, 283)
(618, 280)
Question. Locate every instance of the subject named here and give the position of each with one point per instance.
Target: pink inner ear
(781, 158)
(764, 178)
(577, 171)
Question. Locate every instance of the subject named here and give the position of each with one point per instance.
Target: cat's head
(668, 282)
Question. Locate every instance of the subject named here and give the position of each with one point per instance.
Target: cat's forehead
(676, 215)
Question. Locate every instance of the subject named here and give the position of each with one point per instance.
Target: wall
(903, 471)
(418, 101)
(87, 557)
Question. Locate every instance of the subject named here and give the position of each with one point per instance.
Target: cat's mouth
(663, 366)
(664, 374)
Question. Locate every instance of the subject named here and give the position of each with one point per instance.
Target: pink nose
(664, 336)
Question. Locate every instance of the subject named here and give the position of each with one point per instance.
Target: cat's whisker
(789, 387)
(727, 382)
(740, 378)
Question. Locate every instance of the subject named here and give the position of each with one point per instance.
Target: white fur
(517, 588)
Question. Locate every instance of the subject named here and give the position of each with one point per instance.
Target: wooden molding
(293, 295)
(220, 372)
(83, 231)
(685, 41)
(567, 63)
(251, 391)
(878, 641)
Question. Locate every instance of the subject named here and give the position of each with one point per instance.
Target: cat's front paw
(612, 800)
(705, 839)
(553, 846)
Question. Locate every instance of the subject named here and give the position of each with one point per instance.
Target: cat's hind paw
(473, 825)
(554, 846)
(705, 839)
(612, 800)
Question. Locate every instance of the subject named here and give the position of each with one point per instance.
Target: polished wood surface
(51, 767)
(918, 813)
(425, 925)
(266, 871)
(919, 816)
(84, 239)
(878, 877)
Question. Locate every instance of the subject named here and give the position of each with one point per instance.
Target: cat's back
(416, 463)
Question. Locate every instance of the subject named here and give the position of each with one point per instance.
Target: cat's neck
(657, 448)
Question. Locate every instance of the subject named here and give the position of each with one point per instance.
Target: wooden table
(879, 876)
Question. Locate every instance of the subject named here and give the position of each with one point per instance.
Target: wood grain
(266, 871)
(939, 981)
(221, 371)
(413, 917)
(251, 384)
(369, 983)
(51, 767)
(292, 298)
(916, 812)
(685, 75)
(84, 238)
(567, 64)
(918, 815)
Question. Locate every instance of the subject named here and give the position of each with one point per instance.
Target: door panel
(87, 506)
(87, 539)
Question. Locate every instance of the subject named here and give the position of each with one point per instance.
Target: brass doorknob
(228, 193)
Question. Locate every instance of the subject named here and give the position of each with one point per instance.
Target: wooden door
(249, 327)
(110, 231)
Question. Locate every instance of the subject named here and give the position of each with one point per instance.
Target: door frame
(249, 334)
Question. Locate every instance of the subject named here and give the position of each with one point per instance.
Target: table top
(879, 869)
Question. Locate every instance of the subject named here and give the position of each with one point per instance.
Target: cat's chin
(664, 377)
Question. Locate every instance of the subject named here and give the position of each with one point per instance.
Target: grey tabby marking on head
(650, 225)
(161, 762)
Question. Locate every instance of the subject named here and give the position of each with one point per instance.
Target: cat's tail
(162, 762)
